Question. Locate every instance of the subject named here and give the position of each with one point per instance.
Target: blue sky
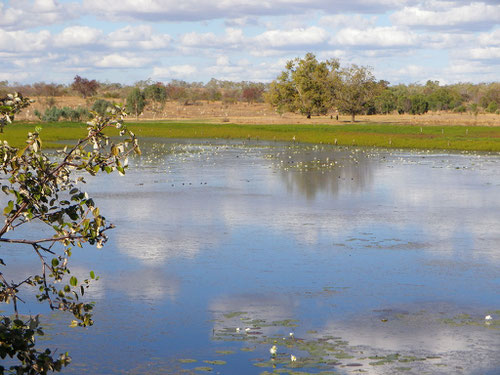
(404, 41)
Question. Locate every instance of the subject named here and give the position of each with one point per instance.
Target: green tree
(419, 104)
(101, 106)
(157, 96)
(306, 86)
(385, 102)
(443, 99)
(43, 191)
(358, 87)
(492, 107)
(136, 101)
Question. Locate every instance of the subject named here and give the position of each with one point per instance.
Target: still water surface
(383, 253)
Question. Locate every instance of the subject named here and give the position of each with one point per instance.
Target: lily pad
(247, 349)
(187, 360)
(234, 314)
(225, 352)
(215, 362)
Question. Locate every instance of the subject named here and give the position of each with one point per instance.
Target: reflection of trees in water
(311, 171)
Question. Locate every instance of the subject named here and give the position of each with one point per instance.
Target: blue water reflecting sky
(337, 238)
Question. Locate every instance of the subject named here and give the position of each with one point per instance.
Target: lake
(351, 260)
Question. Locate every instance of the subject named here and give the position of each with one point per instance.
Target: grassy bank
(474, 138)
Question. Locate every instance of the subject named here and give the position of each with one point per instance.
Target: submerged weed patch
(275, 350)
(288, 353)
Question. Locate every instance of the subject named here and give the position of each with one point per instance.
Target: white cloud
(23, 41)
(232, 38)
(141, 36)
(77, 36)
(21, 14)
(486, 53)
(309, 37)
(490, 39)
(174, 72)
(476, 15)
(226, 70)
(192, 10)
(412, 70)
(346, 20)
(222, 61)
(194, 39)
(121, 61)
(241, 22)
(18, 76)
(332, 54)
(445, 40)
(465, 67)
(377, 37)
(244, 70)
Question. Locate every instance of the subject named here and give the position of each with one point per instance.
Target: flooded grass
(383, 135)
(476, 138)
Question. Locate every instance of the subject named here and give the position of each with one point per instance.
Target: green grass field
(474, 138)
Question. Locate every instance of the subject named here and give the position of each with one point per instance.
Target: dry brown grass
(260, 113)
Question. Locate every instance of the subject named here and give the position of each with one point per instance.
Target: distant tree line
(175, 90)
(306, 86)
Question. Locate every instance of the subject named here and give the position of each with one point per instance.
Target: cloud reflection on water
(151, 285)
(442, 209)
(268, 307)
(419, 330)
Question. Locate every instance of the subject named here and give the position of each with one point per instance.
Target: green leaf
(8, 209)
(55, 262)
(92, 274)
(73, 281)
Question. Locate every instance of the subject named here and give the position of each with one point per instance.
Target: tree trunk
(352, 116)
(308, 115)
